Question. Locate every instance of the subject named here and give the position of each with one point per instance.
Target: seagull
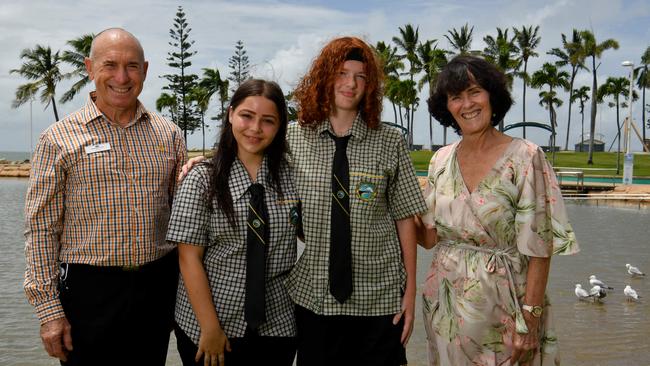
(597, 293)
(633, 270)
(581, 293)
(596, 282)
(630, 293)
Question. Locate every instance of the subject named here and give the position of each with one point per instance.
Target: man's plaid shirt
(106, 205)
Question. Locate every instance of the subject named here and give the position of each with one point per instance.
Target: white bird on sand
(630, 293)
(581, 293)
(596, 282)
(633, 270)
(597, 292)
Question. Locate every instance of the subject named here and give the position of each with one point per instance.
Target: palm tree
(433, 60)
(572, 54)
(407, 42)
(392, 92)
(550, 76)
(80, 50)
(501, 52)
(581, 95)
(169, 102)
(589, 47)
(408, 98)
(392, 64)
(213, 84)
(41, 66)
(527, 40)
(201, 96)
(461, 41)
(615, 88)
(643, 82)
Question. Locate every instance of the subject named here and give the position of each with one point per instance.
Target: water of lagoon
(614, 332)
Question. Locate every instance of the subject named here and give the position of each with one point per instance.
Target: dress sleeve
(429, 218)
(189, 222)
(543, 226)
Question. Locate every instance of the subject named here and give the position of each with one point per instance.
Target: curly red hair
(315, 92)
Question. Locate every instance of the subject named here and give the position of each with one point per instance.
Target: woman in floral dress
(495, 216)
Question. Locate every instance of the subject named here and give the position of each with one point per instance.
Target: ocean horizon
(15, 155)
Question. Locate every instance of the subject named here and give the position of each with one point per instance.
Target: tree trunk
(430, 132)
(582, 138)
(203, 130)
(618, 149)
(401, 121)
(56, 113)
(394, 111)
(444, 136)
(592, 125)
(643, 122)
(524, 99)
(568, 123)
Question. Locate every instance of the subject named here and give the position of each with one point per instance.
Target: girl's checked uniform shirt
(383, 189)
(225, 255)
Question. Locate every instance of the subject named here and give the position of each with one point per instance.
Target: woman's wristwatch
(534, 310)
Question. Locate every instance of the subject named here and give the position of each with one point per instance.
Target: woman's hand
(408, 312)
(526, 345)
(212, 345)
(189, 165)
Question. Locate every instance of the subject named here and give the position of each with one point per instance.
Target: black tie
(256, 242)
(340, 269)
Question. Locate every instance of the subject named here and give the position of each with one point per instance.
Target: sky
(283, 36)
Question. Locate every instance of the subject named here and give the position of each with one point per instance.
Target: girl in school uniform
(354, 285)
(234, 219)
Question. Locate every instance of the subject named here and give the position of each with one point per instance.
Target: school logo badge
(366, 191)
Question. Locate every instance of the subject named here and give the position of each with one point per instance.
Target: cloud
(282, 38)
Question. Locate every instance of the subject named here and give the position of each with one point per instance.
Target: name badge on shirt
(91, 149)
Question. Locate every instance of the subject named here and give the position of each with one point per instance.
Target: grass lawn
(602, 160)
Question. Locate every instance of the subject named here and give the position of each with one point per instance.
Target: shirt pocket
(367, 191)
(97, 169)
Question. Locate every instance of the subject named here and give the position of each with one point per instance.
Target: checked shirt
(383, 188)
(225, 249)
(98, 194)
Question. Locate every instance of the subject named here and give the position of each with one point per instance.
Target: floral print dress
(474, 290)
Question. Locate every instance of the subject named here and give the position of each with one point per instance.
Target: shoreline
(632, 196)
(14, 169)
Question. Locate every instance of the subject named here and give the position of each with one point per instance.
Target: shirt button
(340, 194)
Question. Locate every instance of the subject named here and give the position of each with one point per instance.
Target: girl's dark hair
(457, 76)
(225, 150)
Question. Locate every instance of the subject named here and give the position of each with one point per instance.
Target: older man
(99, 271)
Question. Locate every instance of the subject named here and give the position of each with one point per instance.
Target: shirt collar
(92, 112)
(358, 131)
(239, 180)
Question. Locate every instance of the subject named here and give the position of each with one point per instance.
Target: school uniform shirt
(383, 189)
(224, 260)
(99, 194)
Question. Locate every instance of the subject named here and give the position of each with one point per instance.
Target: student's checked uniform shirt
(225, 253)
(383, 189)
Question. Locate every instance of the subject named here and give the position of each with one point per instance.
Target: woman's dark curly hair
(225, 150)
(315, 92)
(457, 76)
